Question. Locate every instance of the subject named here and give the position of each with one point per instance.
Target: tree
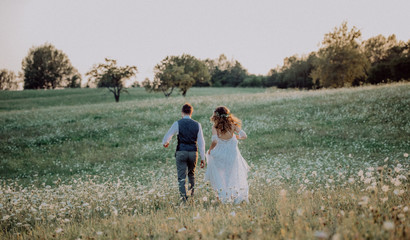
(47, 67)
(340, 60)
(296, 71)
(226, 73)
(389, 58)
(253, 81)
(146, 84)
(109, 75)
(180, 72)
(7, 80)
(74, 81)
(376, 48)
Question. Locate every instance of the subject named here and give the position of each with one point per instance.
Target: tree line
(343, 59)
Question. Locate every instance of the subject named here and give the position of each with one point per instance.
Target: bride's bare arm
(214, 142)
(213, 145)
(240, 133)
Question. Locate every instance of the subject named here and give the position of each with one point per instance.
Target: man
(190, 139)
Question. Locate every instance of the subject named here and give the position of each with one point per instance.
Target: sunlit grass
(328, 164)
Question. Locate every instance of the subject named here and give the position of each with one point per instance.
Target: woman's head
(224, 121)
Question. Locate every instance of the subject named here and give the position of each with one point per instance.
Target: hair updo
(224, 121)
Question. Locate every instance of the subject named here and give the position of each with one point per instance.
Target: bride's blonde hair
(224, 121)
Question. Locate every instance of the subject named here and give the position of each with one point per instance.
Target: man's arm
(201, 145)
(171, 132)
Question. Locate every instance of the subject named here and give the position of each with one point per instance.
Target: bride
(227, 170)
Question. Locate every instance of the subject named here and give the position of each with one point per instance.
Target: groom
(190, 138)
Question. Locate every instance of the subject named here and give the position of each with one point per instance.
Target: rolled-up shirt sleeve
(171, 132)
(201, 142)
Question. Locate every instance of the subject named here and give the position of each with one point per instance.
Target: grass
(325, 164)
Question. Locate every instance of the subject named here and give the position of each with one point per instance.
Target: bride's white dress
(227, 171)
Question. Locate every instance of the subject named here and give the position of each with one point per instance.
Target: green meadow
(325, 164)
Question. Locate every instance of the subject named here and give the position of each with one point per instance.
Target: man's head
(187, 109)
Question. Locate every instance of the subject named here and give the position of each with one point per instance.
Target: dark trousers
(186, 163)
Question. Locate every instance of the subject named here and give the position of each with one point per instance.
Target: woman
(227, 170)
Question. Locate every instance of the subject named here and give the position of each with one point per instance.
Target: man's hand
(166, 145)
(202, 163)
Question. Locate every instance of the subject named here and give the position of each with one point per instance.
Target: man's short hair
(187, 109)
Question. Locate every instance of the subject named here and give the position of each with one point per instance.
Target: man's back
(187, 135)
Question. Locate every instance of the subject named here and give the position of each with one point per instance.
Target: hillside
(322, 163)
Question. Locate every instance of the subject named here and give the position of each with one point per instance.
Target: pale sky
(257, 33)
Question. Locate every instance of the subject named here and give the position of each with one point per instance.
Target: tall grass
(329, 164)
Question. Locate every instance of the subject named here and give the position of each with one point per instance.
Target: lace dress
(227, 170)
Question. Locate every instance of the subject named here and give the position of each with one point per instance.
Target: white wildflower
(364, 201)
(282, 193)
(388, 225)
(385, 188)
(321, 235)
(398, 192)
(367, 180)
(197, 216)
(337, 236)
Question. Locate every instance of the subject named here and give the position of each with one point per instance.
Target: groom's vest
(187, 135)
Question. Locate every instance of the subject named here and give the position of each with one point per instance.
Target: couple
(226, 169)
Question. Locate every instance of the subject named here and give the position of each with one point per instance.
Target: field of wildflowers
(326, 164)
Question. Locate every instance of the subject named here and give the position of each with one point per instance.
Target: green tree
(109, 75)
(389, 58)
(180, 72)
(7, 80)
(226, 72)
(47, 67)
(296, 72)
(376, 48)
(253, 81)
(340, 60)
(146, 84)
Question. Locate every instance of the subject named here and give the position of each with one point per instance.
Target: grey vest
(187, 135)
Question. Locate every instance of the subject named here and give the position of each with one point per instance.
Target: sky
(257, 33)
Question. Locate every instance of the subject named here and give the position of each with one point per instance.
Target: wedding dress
(227, 170)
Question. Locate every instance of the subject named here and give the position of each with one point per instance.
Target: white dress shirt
(200, 138)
